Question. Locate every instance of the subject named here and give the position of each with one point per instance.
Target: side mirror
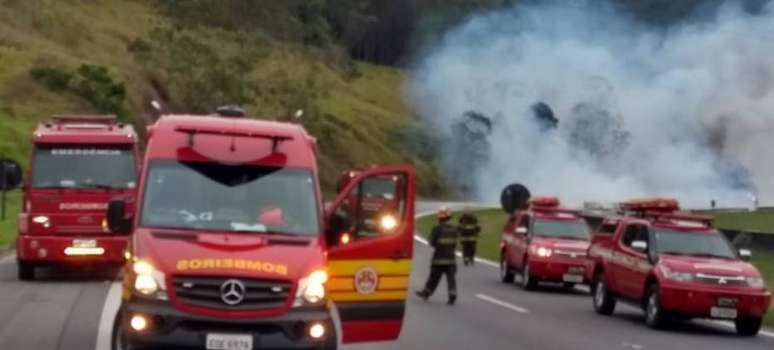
(521, 230)
(117, 220)
(745, 254)
(640, 246)
(10, 175)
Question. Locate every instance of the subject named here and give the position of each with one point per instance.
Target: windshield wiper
(669, 252)
(710, 255)
(98, 186)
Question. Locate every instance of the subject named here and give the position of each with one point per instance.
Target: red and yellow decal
(369, 280)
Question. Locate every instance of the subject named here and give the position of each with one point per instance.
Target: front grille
(570, 253)
(206, 292)
(721, 280)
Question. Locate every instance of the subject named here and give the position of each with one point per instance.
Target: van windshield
(83, 167)
(234, 198)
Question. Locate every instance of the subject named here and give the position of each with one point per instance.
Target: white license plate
(723, 312)
(572, 278)
(217, 341)
(84, 243)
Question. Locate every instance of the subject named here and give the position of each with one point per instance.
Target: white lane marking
(8, 258)
(501, 303)
(109, 311)
(727, 324)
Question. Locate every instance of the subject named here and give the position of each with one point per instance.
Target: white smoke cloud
(669, 90)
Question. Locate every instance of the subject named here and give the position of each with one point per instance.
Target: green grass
(756, 221)
(493, 220)
(365, 109)
(8, 226)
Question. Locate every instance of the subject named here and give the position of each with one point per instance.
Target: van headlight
(311, 289)
(148, 281)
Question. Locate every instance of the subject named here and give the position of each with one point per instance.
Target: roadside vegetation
(493, 220)
(8, 226)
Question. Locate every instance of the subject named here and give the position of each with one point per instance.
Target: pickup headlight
(542, 252)
(148, 281)
(676, 276)
(311, 289)
(755, 282)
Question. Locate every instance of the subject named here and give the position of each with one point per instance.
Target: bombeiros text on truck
(675, 266)
(232, 249)
(78, 164)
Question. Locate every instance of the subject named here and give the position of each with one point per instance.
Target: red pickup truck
(675, 266)
(545, 243)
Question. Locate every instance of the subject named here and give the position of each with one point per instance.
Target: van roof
(84, 129)
(231, 141)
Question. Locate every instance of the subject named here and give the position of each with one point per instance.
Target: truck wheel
(748, 327)
(527, 282)
(604, 302)
(655, 315)
(506, 275)
(26, 271)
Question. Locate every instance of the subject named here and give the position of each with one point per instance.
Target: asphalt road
(72, 311)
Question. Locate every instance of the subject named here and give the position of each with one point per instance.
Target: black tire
(604, 302)
(506, 274)
(514, 197)
(26, 271)
(527, 282)
(655, 315)
(748, 327)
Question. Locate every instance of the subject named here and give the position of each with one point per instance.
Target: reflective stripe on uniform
(444, 261)
(447, 241)
(468, 239)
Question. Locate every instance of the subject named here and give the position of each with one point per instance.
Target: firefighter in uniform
(469, 231)
(443, 239)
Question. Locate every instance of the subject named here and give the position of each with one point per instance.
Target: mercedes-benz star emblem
(232, 292)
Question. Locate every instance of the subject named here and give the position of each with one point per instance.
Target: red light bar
(193, 131)
(84, 118)
(660, 215)
(651, 204)
(544, 202)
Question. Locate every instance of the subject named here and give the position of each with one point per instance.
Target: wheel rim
(599, 294)
(652, 307)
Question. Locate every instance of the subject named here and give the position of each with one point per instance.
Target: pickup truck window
(634, 233)
(83, 167)
(235, 198)
(561, 229)
(704, 244)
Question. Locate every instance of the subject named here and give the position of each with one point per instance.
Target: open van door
(369, 232)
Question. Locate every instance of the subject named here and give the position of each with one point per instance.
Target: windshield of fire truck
(83, 167)
(705, 244)
(235, 198)
(570, 229)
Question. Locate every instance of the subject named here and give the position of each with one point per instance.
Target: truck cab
(674, 266)
(232, 249)
(545, 243)
(78, 164)
(377, 198)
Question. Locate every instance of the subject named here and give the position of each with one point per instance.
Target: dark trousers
(438, 271)
(468, 252)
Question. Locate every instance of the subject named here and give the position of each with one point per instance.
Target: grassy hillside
(355, 109)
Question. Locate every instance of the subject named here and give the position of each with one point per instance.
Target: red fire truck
(674, 266)
(232, 248)
(376, 197)
(545, 243)
(78, 164)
